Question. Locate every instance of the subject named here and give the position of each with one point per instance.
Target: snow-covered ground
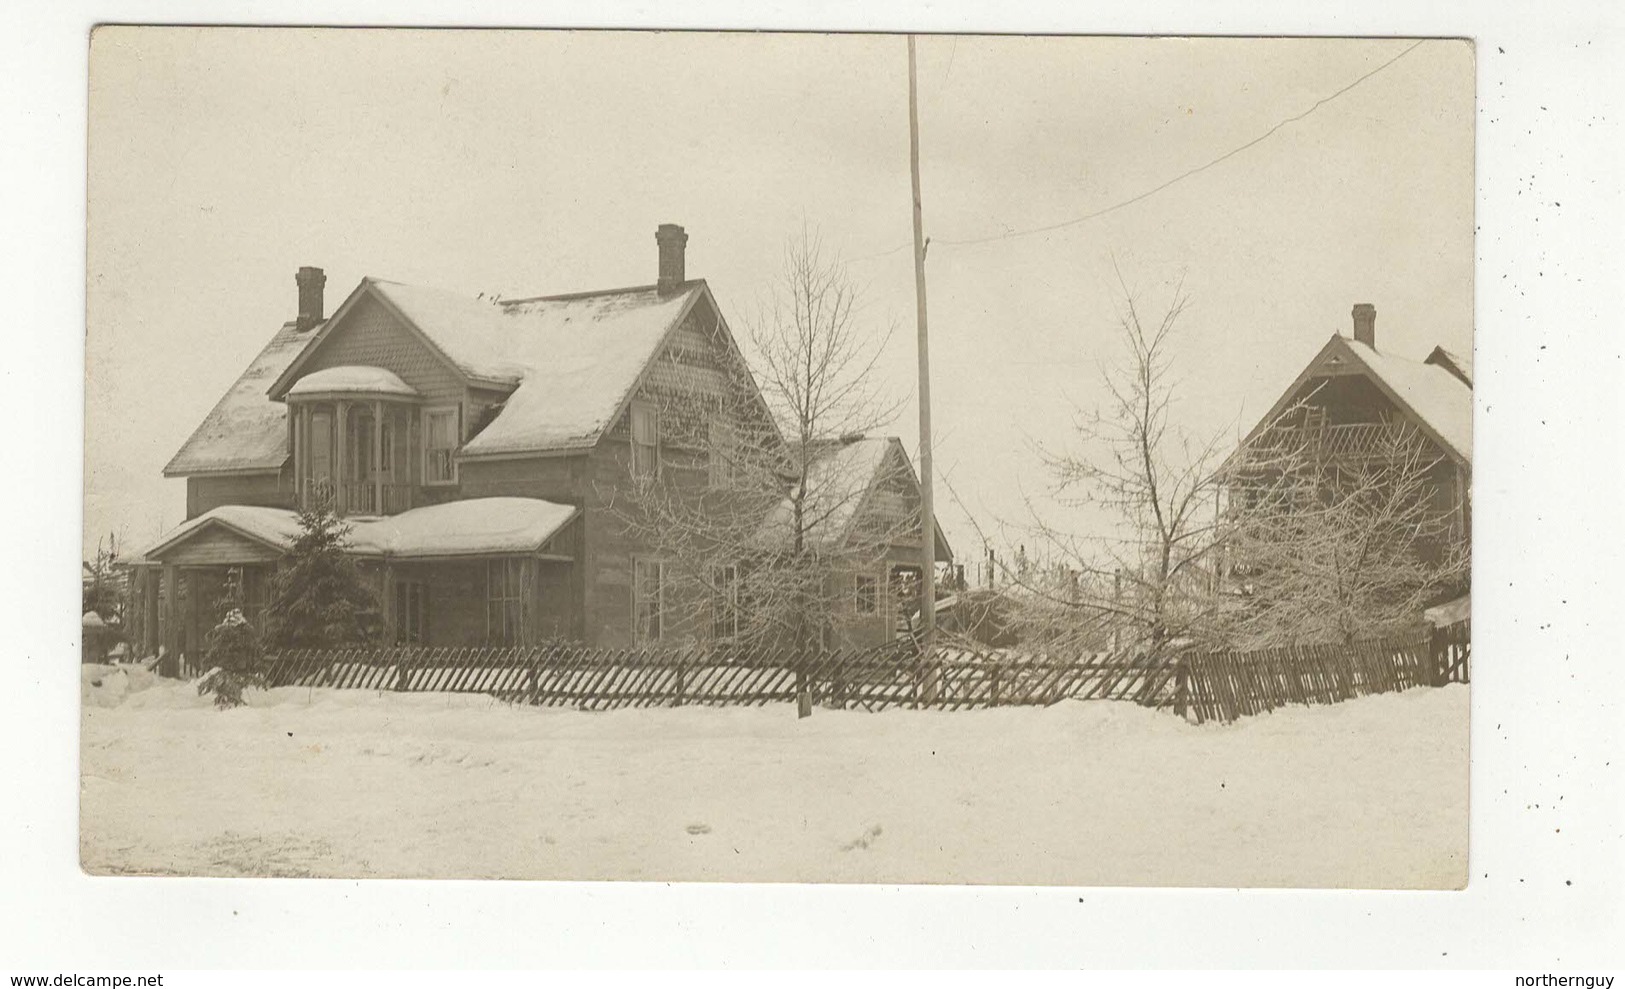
(319, 782)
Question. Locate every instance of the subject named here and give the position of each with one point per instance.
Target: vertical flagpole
(928, 516)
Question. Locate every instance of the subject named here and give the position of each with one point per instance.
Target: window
(725, 603)
(648, 600)
(505, 597)
(723, 441)
(645, 442)
(320, 465)
(866, 595)
(387, 440)
(411, 613)
(439, 445)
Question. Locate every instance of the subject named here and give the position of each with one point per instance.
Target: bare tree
(755, 507)
(1339, 545)
(1153, 581)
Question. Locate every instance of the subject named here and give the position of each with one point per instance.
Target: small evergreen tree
(234, 652)
(318, 597)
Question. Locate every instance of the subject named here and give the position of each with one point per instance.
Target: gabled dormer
(377, 410)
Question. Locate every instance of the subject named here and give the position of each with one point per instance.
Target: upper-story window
(439, 445)
(319, 463)
(723, 454)
(645, 441)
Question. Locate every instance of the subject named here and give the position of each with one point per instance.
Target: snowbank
(307, 781)
(109, 685)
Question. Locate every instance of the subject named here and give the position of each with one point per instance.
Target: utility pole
(928, 515)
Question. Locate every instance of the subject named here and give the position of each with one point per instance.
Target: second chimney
(310, 281)
(1365, 324)
(672, 241)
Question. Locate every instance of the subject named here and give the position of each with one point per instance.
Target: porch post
(378, 456)
(301, 455)
(172, 619)
(341, 459)
(149, 610)
(194, 603)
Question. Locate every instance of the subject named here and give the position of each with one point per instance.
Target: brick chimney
(310, 281)
(672, 241)
(1365, 324)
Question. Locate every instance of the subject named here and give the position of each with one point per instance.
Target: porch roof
(352, 379)
(473, 527)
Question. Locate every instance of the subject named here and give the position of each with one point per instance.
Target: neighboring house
(472, 444)
(1350, 400)
(862, 509)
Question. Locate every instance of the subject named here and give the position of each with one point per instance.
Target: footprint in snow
(863, 841)
(698, 829)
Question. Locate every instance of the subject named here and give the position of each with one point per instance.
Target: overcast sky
(527, 163)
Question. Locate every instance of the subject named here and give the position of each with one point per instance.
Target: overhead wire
(1095, 214)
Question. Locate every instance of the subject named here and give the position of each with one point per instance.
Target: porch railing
(368, 498)
(1364, 440)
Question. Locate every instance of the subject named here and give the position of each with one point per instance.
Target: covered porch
(481, 572)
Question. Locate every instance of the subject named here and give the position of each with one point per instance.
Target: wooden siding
(206, 491)
(458, 598)
(218, 546)
(371, 336)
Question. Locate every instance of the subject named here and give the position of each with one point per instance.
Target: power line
(1171, 182)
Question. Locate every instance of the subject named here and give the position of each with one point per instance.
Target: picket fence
(600, 679)
(1199, 686)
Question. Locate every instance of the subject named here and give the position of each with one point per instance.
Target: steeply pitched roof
(245, 430)
(841, 474)
(1440, 401)
(1461, 367)
(473, 527)
(575, 358)
(572, 360)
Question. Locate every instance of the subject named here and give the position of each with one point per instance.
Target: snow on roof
(575, 358)
(471, 332)
(352, 378)
(1452, 361)
(838, 477)
(474, 527)
(1437, 397)
(277, 527)
(245, 430)
(1450, 612)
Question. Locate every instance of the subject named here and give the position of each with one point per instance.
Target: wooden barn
(472, 444)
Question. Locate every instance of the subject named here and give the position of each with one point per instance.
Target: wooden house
(471, 444)
(1351, 399)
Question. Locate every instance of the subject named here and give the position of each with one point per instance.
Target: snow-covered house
(1349, 400)
(861, 505)
(472, 445)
